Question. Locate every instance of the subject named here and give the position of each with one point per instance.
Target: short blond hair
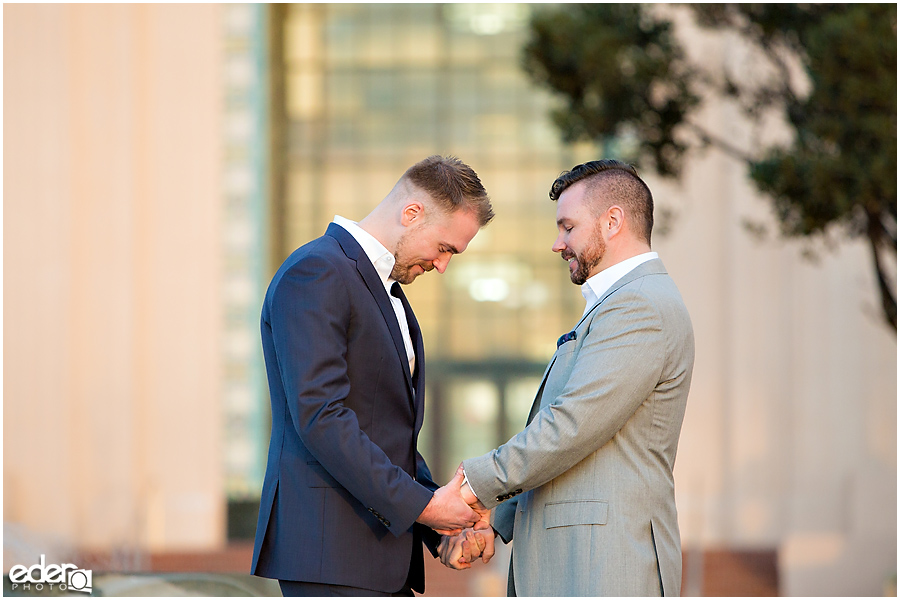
(453, 184)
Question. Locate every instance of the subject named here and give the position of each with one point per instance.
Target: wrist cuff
(469, 485)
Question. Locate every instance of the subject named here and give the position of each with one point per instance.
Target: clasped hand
(459, 551)
(447, 512)
(463, 521)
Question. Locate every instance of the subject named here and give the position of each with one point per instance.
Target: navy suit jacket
(344, 482)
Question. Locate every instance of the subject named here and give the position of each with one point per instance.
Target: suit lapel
(536, 405)
(370, 276)
(650, 267)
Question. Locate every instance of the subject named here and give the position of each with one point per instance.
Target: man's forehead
(569, 202)
(459, 228)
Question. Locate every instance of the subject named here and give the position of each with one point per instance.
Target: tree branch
(888, 296)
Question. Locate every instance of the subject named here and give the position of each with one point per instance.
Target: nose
(441, 263)
(559, 245)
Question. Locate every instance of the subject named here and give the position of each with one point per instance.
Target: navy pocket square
(568, 337)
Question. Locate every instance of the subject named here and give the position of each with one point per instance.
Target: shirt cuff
(469, 485)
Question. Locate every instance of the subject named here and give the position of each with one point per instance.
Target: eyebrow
(562, 220)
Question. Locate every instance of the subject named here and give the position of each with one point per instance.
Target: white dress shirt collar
(381, 258)
(383, 261)
(594, 288)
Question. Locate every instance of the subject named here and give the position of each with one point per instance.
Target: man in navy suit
(347, 499)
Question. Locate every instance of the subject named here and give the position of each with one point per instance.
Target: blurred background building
(160, 161)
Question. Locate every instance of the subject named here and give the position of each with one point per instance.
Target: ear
(614, 219)
(413, 213)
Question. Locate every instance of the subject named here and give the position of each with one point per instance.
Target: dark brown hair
(453, 185)
(621, 184)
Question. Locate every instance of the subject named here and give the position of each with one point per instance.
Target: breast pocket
(578, 512)
(566, 348)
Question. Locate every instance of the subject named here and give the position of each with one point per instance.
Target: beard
(403, 264)
(586, 260)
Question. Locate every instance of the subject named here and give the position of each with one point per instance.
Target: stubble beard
(402, 271)
(401, 274)
(587, 260)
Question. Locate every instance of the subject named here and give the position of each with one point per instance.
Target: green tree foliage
(623, 75)
(642, 94)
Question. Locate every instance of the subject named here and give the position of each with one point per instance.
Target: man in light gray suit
(586, 489)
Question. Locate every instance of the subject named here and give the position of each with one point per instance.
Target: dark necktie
(414, 333)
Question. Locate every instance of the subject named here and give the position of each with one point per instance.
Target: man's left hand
(460, 551)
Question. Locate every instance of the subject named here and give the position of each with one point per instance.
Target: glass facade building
(363, 91)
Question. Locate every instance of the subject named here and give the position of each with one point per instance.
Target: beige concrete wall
(790, 435)
(111, 263)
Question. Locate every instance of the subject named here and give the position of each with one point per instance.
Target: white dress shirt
(594, 288)
(383, 261)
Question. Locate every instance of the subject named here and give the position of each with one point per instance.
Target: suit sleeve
(616, 369)
(310, 316)
(503, 519)
(430, 537)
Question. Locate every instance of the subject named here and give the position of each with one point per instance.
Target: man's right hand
(447, 513)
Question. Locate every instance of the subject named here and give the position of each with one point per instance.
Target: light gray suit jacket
(594, 465)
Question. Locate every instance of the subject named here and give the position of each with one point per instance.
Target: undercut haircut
(620, 185)
(453, 185)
